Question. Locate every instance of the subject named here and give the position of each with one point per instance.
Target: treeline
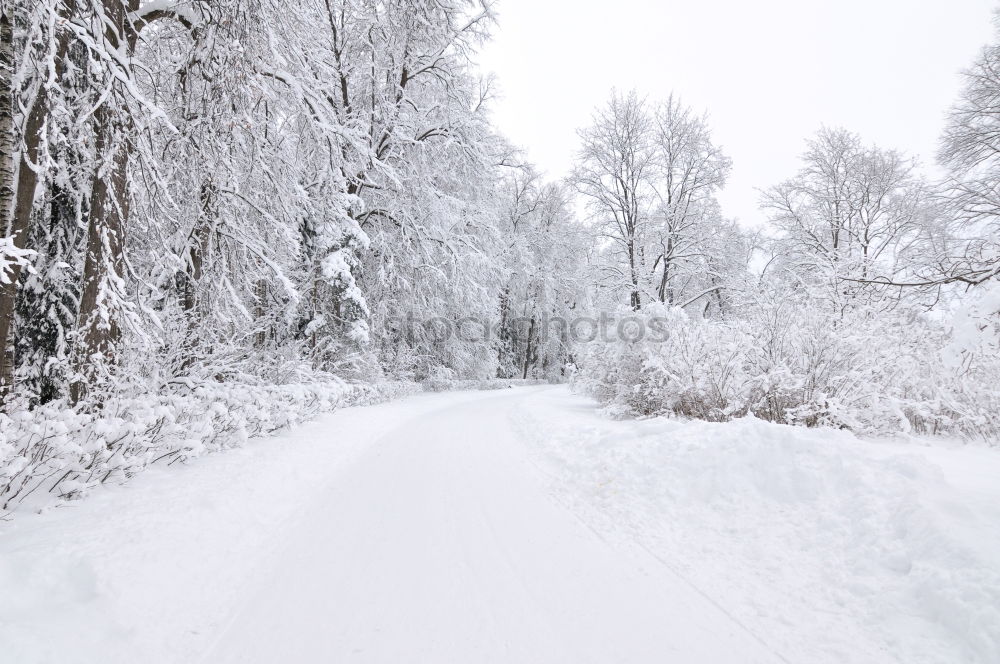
(869, 301)
(265, 192)
(256, 191)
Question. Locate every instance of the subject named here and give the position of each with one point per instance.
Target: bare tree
(970, 149)
(614, 174)
(852, 214)
(690, 171)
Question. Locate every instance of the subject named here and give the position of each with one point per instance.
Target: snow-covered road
(441, 528)
(440, 546)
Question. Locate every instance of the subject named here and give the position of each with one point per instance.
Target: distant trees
(545, 268)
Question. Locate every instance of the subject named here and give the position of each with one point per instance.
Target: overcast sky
(769, 72)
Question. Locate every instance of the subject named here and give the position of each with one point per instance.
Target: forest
(223, 216)
(499, 331)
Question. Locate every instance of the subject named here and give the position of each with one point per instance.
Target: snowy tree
(39, 53)
(969, 148)
(253, 182)
(690, 171)
(649, 173)
(852, 218)
(613, 174)
(545, 281)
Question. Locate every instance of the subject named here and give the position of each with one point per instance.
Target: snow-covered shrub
(445, 385)
(800, 365)
(66, 451)
(55, 449)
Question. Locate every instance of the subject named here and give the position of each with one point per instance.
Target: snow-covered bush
(445, 385)
(795, 364)
(66, 451)
(55, 449)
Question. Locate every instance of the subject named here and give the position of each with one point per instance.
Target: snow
(520, 525)
(150, 571)
(52, 451)
(839, 549)
(181, 8)
(13, 258)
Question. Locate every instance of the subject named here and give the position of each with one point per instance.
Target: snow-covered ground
(520, 526)
(834, 548)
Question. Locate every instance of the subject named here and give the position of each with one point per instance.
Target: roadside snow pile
(803, 534)
(54, 451)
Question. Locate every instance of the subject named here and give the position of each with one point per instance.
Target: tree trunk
(503, 340)
(260, 290)
(109, 211)
(24, 197)
(6, 117)
(529, 357)
(195, 265)
(104, 258)
(634, 299)
(7, 186)
(664, 281)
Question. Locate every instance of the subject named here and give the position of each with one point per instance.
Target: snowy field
(520, 526)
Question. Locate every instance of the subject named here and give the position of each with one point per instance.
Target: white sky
(769, 73)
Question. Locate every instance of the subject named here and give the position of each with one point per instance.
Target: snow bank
(55, 452)
(810, 536)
